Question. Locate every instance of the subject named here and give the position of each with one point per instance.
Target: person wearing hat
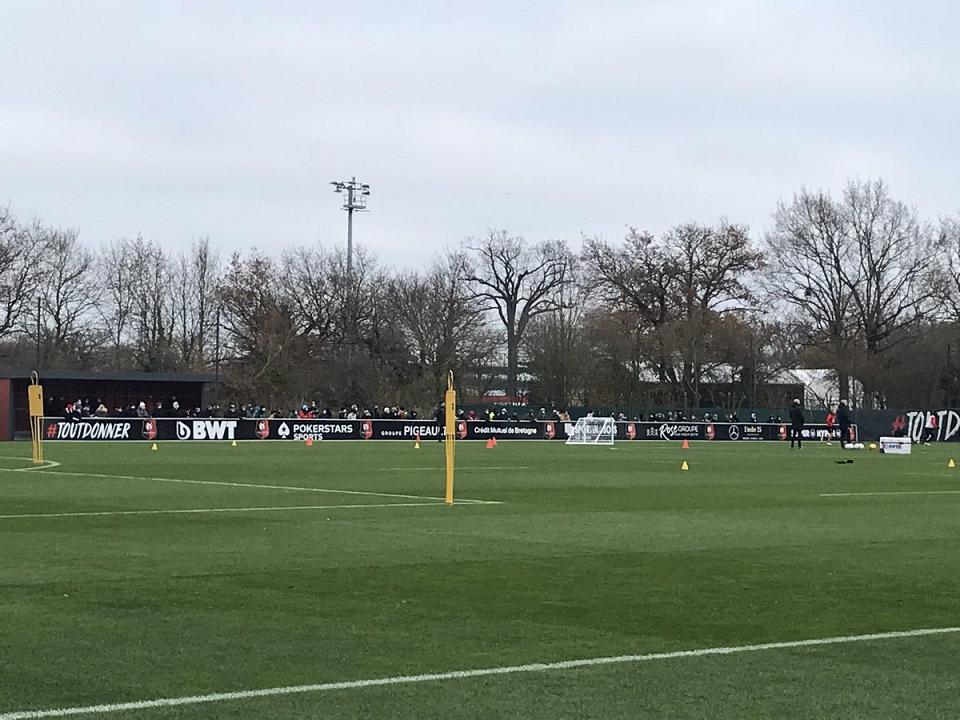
(796, 424)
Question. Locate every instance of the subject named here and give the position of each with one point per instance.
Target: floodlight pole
(355, 199)
(350, 242)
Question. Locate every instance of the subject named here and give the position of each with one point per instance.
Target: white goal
(593, 431)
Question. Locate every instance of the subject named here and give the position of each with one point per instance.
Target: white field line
(459, 469)
(892, 492)
(100, 513)
(224, 483)
(462, 674)
(46, 463)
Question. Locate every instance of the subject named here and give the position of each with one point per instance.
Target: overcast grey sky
(551, 119)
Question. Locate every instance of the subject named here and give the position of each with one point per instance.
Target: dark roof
(20, 374)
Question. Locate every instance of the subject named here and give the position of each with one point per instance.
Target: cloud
(181, 119)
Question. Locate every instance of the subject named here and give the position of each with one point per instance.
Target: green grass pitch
(578, 553)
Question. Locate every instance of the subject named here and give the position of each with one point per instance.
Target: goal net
(593, 431)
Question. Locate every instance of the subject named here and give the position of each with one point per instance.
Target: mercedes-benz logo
(734, 432)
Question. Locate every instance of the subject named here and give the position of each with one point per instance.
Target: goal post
(593, 431)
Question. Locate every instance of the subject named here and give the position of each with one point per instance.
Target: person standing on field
(796, 424)
(843, 420)
(831, 423)
(930, 432)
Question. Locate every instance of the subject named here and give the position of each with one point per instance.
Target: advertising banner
(206, 429)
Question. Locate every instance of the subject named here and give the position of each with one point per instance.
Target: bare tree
(677, 289)
(338, 317)
(69, 294)
(859, 272)
(261, 342)
(631, 276)
(116, 263)
(153, 317)
(518, 282)
(948, 285)
(556, 346)
(443, 328)
(21, 249)
(810, 268)
(619, 354)
(710, 268)
(756, 349)
(895, 260)
(193, 294)
(311, 290)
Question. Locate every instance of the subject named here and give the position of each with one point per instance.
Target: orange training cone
(309, 442)
(685, 446)
(491, 443)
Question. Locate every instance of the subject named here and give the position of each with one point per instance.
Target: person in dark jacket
(843, 421)
(796, 424)
(441, 419)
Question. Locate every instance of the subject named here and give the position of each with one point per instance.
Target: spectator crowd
(158, 408)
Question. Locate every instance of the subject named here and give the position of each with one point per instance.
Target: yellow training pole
(449, 432)
(35, 397)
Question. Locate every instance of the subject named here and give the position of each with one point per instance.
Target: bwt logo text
(207, 430)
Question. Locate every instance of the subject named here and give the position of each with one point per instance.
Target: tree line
(701, 314)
